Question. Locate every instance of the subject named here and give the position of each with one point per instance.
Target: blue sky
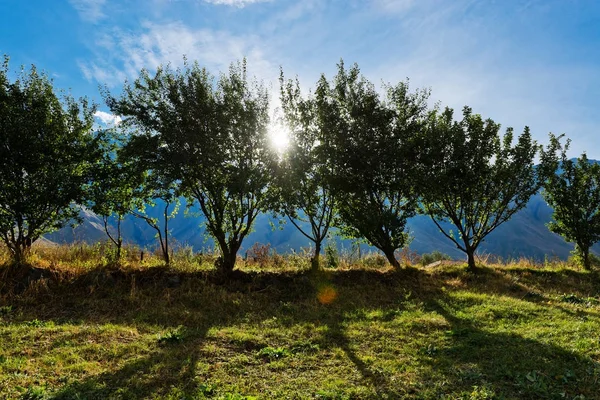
(533, 62)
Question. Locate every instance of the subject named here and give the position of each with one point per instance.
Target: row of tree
(360, 159)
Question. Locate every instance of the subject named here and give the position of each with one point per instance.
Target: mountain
(525, 235)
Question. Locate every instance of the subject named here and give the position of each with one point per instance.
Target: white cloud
(90, 10)
(121, 55)
(107, 118)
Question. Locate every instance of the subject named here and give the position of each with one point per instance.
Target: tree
(145, 164)
(47, 151)
(211, 136)
(475, 179)
(115, 189)
(574, 194)
(306, 195)
(370, 142)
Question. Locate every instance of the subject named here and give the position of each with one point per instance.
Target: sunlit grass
(96, 330)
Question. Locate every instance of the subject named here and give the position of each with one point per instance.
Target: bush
(434, 256)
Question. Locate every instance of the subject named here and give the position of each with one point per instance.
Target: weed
(170, 337)
(305, 347)
(271, 353)
(332, 257)
(572, 298)
(5, 310)
(36, 323)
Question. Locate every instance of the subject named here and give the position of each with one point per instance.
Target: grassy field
(78, 329)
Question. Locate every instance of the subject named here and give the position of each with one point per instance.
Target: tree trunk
(19, 255)
(119, 239)
(166, 248)
(314, 262)
(228, 259)
(471, 267)
(389, 254)
(585, 252)
(165, 252)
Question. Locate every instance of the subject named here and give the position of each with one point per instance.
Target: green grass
(97, 332)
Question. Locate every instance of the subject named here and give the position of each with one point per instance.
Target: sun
(279, 137)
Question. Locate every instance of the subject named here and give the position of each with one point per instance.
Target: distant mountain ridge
(525, 235)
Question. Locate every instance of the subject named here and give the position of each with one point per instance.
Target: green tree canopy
(474, 178)
(574, 194)
(211, 136)
(47, 151)
(307, 198)
(116, 189)
(370, 139)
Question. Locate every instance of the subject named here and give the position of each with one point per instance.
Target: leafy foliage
(574, 194)
(113, 191)
(371, 142)
(474, 178)
(306, 193)
(210, 136)
(46, 156)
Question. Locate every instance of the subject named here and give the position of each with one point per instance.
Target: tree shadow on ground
(464, 354)
(509, 365)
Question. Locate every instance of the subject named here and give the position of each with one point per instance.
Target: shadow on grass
(463, 356)
(172, 366)
(506, 364)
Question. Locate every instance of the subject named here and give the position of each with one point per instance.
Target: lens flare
(327, 294)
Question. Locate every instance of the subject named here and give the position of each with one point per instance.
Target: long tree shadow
(468, 356)
(508, 363)
(141, 378)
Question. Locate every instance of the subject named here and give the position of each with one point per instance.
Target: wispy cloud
(395, 5)
(466, 61)
(510, 61)
(90, 10)
(122, 54)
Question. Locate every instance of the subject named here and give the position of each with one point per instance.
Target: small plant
(273, 353)
(332, 256)
(36, 323)
(206, 389)
(35, 393)
(482, 393)
(434, 256)
(431, 350)
(374, 260)
(5, 310)
(571, 298)
(305, 347)
(170, 337)
(259, 253)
